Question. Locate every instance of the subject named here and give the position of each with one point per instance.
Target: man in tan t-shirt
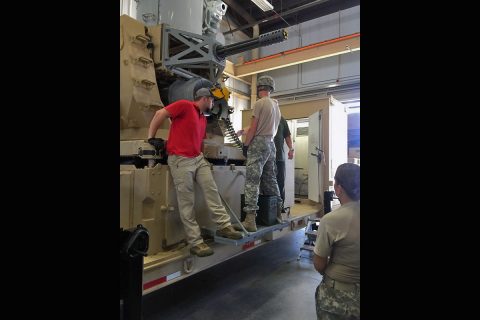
(337, 250)
(261, 152)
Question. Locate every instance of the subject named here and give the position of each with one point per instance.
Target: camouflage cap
(203, 92)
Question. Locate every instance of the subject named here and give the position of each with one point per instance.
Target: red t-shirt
(187, 130)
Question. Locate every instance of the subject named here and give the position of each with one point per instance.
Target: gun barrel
(261, 41)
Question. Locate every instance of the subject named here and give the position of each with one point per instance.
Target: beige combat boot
(229, 232)
(249, 223)
(201, 250)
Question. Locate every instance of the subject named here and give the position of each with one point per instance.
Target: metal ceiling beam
(277, 16)
(332, 6)
(239, 9)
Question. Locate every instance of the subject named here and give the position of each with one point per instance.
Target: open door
(338, 137)
(315, 158)
(289, 174)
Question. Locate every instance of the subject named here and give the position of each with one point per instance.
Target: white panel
(320, 29)
(147, 8)
(285, 78)
(350, 21)
(319, 71)
(350, 64)
(315, 169)
(186, 15)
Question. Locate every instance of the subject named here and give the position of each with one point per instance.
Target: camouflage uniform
(261, 171)
(335, 303)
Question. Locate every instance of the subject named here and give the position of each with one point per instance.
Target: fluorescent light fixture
(263, 4)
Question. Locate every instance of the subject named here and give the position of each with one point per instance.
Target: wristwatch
(292, 150)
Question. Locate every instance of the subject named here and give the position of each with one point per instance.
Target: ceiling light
(263, 4)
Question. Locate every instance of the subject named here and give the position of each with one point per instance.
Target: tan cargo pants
(186, 171)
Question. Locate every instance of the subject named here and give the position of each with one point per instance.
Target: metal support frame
(203, 46)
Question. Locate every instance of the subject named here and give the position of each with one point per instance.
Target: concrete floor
(265, 283)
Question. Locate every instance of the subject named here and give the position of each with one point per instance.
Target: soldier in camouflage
(337, 250)
(260, 151)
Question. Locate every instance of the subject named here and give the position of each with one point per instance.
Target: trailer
(160, 64)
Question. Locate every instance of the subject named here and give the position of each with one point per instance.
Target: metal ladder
(310, 236)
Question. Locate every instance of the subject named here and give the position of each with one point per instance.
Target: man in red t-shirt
(187, 165)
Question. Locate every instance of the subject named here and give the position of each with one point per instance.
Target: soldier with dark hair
(283, 134)
(188, 166)
(337, 250)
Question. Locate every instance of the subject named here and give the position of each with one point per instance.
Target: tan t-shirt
(338, 236)
(267, 112)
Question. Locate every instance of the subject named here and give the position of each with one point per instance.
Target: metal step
(250, 236)
(307, 247)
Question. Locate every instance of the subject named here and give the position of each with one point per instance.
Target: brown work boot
(249, 223)
(229, 232)
(201, 250)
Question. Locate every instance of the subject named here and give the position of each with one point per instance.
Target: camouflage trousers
(261, 171)
(337, 303)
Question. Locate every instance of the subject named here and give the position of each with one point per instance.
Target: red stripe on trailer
(248, 245)
(153, 283)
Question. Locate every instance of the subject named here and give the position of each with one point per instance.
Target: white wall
(128, 7)
(345, 67)
(301, 158)
(238, 103)
(301, 165)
